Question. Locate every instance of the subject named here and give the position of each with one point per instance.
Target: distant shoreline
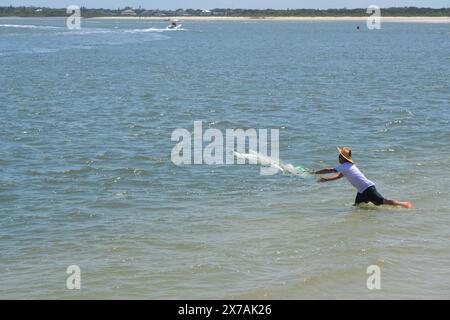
(412, 19)
(306, 19)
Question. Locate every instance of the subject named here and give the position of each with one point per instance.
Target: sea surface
(86, 177)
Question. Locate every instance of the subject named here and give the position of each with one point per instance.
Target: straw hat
(346, 152)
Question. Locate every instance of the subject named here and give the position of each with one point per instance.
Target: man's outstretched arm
(325, 171)
(335, 177)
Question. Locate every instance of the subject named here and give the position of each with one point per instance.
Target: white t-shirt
(354, 176)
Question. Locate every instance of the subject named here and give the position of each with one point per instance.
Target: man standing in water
(366, 188)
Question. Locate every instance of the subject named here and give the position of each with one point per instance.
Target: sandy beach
(290, 19)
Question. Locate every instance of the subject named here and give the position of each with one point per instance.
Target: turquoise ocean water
(86, 178)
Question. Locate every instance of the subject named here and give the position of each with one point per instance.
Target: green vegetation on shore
(87, 12)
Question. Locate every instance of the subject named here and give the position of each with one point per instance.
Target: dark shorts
(369, 195)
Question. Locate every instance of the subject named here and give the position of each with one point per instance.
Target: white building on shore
(128, 12)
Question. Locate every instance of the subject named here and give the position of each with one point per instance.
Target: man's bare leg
(390, 202)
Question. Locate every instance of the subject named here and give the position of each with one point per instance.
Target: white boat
(172, 27)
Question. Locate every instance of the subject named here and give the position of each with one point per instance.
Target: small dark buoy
(357, 28)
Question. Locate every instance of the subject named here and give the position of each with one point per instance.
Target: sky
(210, 4)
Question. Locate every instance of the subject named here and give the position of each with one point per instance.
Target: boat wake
(154, 30)
(28, 26)
(89, 30)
